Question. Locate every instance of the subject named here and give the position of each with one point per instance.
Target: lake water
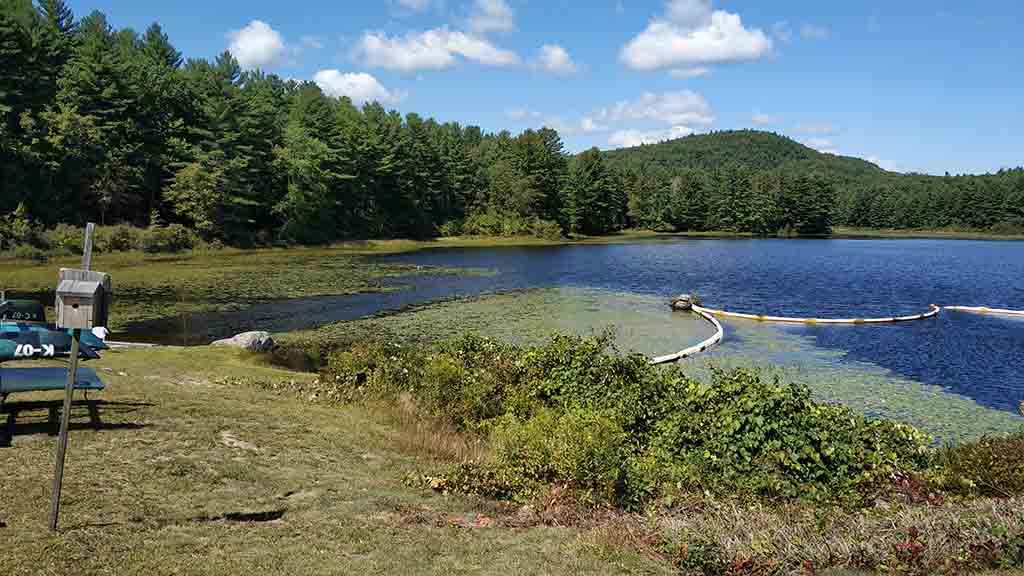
(980, 357)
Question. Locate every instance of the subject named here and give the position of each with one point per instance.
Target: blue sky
(930, 86)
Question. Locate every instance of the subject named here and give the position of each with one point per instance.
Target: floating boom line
(986, 310)
(934, 311)
(713, 341)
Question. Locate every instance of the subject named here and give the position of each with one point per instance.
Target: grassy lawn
(189, 475)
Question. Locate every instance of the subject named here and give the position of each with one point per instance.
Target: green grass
(158, 490)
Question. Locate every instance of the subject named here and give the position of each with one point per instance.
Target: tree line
(115, 126)
(862, 194)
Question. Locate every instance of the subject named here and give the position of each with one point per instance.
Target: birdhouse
(83, 299)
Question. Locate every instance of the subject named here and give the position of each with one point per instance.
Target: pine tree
(157, 47)
(588, 197)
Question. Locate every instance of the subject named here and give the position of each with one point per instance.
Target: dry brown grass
(433, 439)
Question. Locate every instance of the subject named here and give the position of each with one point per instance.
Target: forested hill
(750, 148)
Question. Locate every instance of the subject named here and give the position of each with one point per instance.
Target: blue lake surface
(981, 357)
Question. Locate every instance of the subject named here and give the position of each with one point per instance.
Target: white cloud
(491, 16)
(822, 128)
(360, 87)
(630, 138)
(684, 107)
(256, 45)
(689, 34)
(812, 32)
(764, 119)
(554, 59)
(680, 111)
(782, 31)
(432, 50)
(684, 73)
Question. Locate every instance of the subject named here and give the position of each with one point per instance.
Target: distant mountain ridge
(751, 148)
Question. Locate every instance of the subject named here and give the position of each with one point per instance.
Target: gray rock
(685, 302)
(251, 341)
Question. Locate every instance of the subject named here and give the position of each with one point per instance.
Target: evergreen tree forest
(117, 127)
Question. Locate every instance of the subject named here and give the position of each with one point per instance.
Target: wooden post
(69, 392)
(65, 417)
(90, 228)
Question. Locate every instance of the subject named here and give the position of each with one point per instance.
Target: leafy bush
(450, 228)
(547, 230)
(742, 434)
(18, 228)
(167, 239)
(494, 223)
(65, 239)
(616, 429)
(30, 253)
(120, 238)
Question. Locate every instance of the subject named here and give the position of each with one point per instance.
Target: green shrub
(582, 448)
(167, 239)
(494, 223)
(373, 371)
(588, 451)
(575, 372)
(120, 238)
(742, 434)
(65, 239)
(450, 228)
(547, 230)
(524, 447)
(18, 228)
(28, 253)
